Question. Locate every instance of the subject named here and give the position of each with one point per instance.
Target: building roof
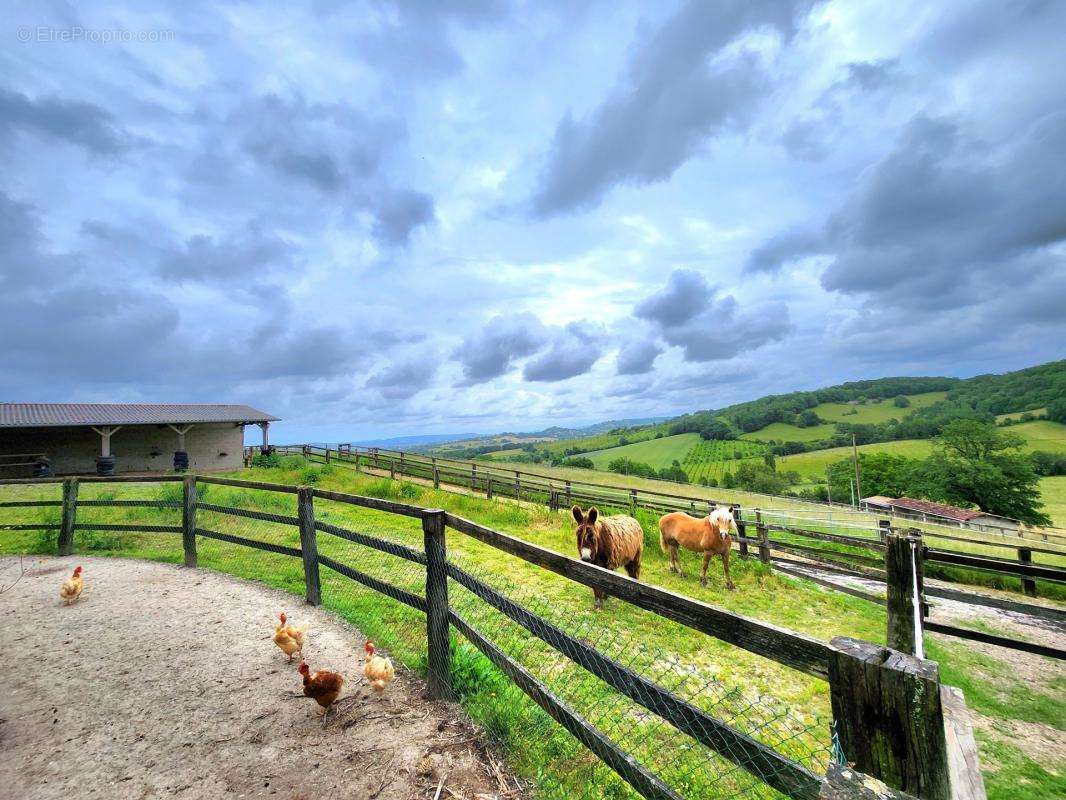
(878, 500)
(38, 415)
(927, 507)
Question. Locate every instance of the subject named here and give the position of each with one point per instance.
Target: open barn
(105, 438)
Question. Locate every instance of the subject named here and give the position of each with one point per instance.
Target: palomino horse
(609, 542)
(710, 536)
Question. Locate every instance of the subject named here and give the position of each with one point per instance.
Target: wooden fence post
(764, 538)
(632, 501)
(473, 477)
(70, 511)
(569, 500)
(517, 485)
(742, 530)
(327, 454)
(438, 614)
(888, 716)
(309, 543)
(1025, 556)
(188, 519)
(553, 499)
(356, 460)
(488, 488)
(436, 475)
(903, 569)
(392, 468)
(401, 464)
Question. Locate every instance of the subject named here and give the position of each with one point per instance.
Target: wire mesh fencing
(626, 674)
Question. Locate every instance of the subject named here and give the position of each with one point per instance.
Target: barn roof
(37, 415)
(927, 507)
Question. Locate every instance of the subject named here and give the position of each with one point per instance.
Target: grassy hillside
(783, 432)
(1036, 412)
(658, 453)
(873, 412)
(812, 465)
(1042, 435)
(1053, 494)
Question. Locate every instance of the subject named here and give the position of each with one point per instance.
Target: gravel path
(163, 682)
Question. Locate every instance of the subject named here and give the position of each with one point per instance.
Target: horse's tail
(662, 536)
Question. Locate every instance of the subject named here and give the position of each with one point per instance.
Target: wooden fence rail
(911, 719)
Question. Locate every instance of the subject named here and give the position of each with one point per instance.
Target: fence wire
(368, 553)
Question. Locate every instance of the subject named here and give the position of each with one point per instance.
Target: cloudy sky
(383, 218)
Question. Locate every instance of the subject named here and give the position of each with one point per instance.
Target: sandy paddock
(163, 682)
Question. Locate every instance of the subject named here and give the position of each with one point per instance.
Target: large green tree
(976, 463)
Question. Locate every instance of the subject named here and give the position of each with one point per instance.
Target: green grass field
(765, 699)
(1042, 434)
(812, 465)
(880, 411)
(657, 453)
(1053, 493)
(1036, 412)
(783, 432)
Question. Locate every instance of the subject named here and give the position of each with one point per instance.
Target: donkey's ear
(576, 511)
(593, 513)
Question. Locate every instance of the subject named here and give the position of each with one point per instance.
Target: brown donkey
(609, 542)
(710, 536)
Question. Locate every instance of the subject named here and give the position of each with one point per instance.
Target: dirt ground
(163, 682)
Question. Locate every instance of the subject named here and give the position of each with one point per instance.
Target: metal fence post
(903, 569)
(70, 511)
(764, 538)
(188, 519)
(742, 530)
(883, 526)
(888, 715)
(437, 611)
(309, 543)
(1025, 556)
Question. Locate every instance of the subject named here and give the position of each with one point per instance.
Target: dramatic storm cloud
(399, 217)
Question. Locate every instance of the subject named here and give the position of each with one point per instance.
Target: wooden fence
(830, 551)
(891, 714)
(558, 493)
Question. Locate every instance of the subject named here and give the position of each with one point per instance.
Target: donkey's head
(588, 534)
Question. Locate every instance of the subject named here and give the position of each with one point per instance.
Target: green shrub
(266, 461)
(309, 476)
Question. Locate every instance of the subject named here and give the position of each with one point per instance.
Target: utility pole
(855, 458)
(851, 482)
(828, 486)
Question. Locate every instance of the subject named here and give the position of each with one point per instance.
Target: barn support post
(181, 455)
(1025, 556)
(105, 462)
(188, 519)
(742, 530)
(888, 716)
(764, 538)
(70, 510)
(904, 583)
(438, 614)
(305, 512)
